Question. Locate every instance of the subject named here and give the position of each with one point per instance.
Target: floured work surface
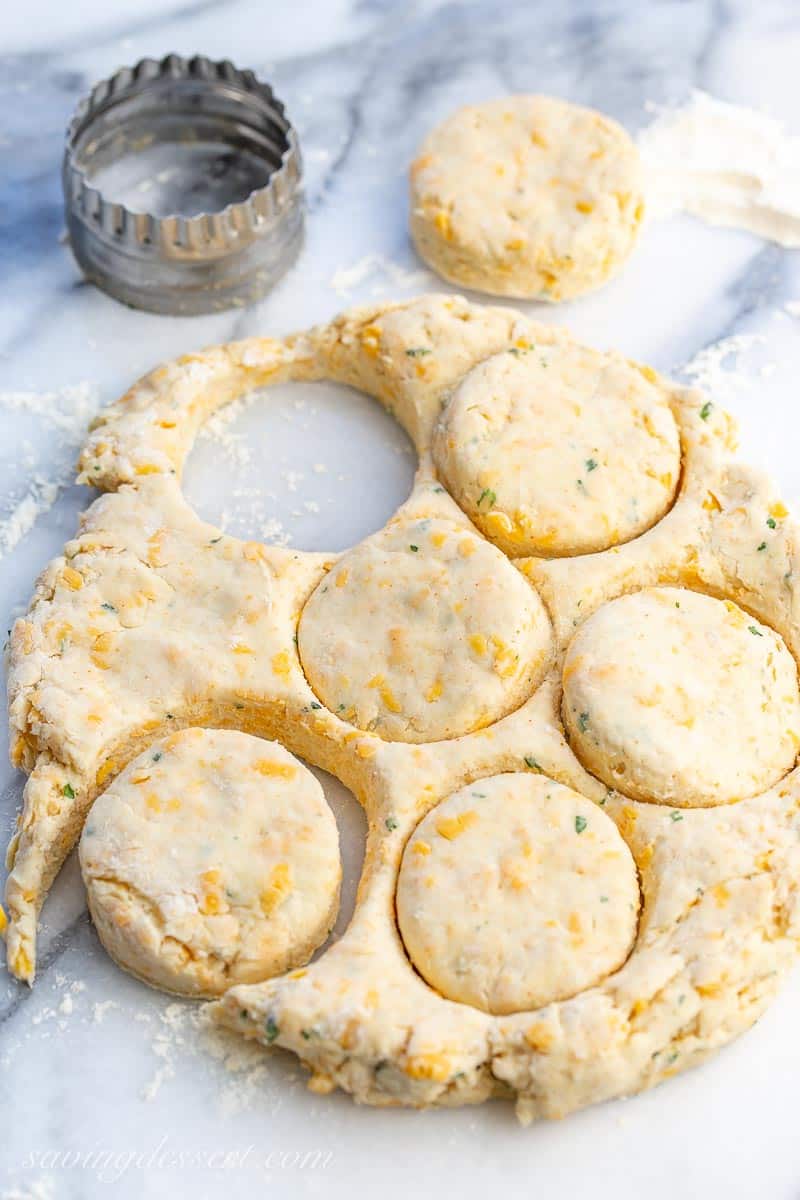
(567, 699)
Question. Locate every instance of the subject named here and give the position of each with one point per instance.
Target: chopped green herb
(705, 411)
(604, 899)
(315, 704)
(272, 1029)
(305, 1033)
(675, 815)
(108, 607)
(414, 548)
(417, 351)
(341, 707)
(242, 1014)
(591, 464)
(583, 721)
(580, 824)
(531, 762)
(771, 522)
(214, 541)
(755, 630)
(157, 756)
(391, 824)
(68, 791)
(488, 495)
(763, 546)
(437, 490)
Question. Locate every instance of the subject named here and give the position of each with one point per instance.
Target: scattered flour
(100, 1008)
(217, 429)
(185, 1031)
(383, 270)
(792, 307)
(726, 164)
(67, 412)
(39, 499)
(714, 368)
(176, 1031)
(43, 1188)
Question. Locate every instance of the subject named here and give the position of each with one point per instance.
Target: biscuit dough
(153, 621)
(559, 449)
(526, 196)
(424, 632)
(677, 697)
(212, 859)
(515, 892)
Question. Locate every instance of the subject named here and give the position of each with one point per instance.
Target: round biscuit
(515, 892)
(527, 196)
(212, 859)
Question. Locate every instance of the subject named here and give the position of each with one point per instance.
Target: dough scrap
(527, 196)
(212, 859)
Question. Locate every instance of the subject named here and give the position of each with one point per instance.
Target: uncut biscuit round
(676, 697)
(515, 892)
(527, 196)
(212, 859)
(559, 450)
(424, 632)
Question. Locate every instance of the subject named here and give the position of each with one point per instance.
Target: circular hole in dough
(559, 450)
(527, 196)
(424, 632)
(212, 859)
(515, 892)
(329, 447)
(676, 697)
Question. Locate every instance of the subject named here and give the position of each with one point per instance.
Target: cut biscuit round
(559, 450)
(527, 196)
(676, 697)
(515, 892)
(424, 632)
(212, 859)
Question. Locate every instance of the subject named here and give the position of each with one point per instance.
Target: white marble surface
(362, 79)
